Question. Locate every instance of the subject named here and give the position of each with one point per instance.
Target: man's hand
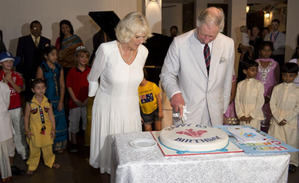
(177, 102)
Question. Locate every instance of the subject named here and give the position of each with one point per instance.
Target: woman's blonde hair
(132, 24)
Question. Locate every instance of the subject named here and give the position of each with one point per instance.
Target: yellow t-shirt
(38, 139)
(147, 97)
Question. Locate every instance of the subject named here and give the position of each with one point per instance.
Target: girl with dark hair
(268, 74)
(53, 75)
(66, 44)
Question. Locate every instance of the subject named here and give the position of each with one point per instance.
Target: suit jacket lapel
(215, 59)
(195, 48)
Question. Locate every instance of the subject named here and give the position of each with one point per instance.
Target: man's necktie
(36, 42)
(207, 55)
(273, 36)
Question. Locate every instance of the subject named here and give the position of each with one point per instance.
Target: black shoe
(292, 168)
(16, 171)
(73, 148)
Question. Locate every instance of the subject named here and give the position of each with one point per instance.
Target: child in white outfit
(284, 105)
(250, 97)
(7, 148)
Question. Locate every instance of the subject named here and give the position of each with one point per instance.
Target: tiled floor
(74, 169)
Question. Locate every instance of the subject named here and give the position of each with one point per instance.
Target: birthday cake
(193, 137)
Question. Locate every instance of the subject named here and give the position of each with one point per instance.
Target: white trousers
(19, 136)
(6, 150)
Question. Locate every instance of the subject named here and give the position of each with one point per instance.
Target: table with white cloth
(150, 166)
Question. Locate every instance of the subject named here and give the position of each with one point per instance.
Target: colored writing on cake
(267, 143)
(183, 125)
(271, 148)
(190, 124)
(249, 134)
(272, 145)
(180, 139)
(192, 133)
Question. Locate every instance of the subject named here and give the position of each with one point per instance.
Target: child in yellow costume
(150, 104)
(40, 128)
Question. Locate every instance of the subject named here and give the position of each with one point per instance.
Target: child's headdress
(80, 49)
(4, 56)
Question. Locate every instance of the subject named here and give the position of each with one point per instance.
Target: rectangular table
(132, 165)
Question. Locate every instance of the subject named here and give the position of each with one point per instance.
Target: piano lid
(107, 20)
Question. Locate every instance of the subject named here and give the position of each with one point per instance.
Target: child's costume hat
(4, 56)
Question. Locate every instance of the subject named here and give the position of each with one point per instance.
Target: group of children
(257, 102)
(43, 122)
(260, 100)
(44, 126)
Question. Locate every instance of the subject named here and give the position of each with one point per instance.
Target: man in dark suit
(30, 51)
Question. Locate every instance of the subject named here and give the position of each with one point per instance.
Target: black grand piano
(157, 45)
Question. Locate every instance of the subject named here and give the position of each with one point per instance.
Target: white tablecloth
(150, 166)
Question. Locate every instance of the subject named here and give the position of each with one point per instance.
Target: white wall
(153, 12)
(16, 15)
(236, 18)
(172, 14)
(199, 6)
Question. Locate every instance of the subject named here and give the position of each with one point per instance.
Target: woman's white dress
(116, 105)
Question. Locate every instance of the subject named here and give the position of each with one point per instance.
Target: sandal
(8, 179)
(56, 165)
(29, 172)
(60, 151)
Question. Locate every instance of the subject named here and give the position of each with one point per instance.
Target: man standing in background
(30, 52)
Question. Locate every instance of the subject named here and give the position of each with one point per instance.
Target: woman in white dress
(119, 64)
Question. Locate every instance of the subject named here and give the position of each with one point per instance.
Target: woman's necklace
(51, 65)
(122, 53)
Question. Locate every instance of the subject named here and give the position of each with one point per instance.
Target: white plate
(142, 143)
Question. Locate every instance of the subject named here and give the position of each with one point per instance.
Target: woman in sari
(66, 44)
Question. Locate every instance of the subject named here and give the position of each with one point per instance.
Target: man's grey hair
(211, 16)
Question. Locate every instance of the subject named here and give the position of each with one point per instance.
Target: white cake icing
(193, 137)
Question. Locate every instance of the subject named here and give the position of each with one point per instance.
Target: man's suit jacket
(206, 95)
(278, 44)
(31, 56)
